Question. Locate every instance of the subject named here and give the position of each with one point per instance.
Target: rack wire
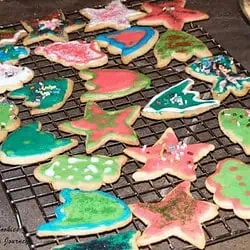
(34, 202)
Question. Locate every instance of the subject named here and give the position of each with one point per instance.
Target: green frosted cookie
(80, 171)
(45, 96)
(28, 145)
(178, 45)
(86, 212)
(121, 241)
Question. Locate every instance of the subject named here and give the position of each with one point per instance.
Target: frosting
(7, 113)
(115, 15)
(86, 212)
(43, 95)
(112, 83)
(10, 53)
(178, 99)
(121, 241)
(28, 141)
(101, 126)
(11, 76)
(232, 182)
(11, 36)
(171, 14)
(177, 212)
(169, 156)
(235, 122)
(173, 41)
(128, 40)
(80, 171)
(72, 53)
(221, 70)
(8, 118)
(54, 26)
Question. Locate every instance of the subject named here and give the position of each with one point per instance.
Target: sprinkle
(70, 177)
(144, 148)
(88, 177)
(238, 123)
(92, 168)
(107, 170)
(94, 159)
(109, 162)
(227, 114)
(57, 176)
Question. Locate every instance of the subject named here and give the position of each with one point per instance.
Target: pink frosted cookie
(115, 15)
(177, 214)
(106, 84)
(230, 185)
(168, 156)
(101, 126)
(171, 14)
(78, 54)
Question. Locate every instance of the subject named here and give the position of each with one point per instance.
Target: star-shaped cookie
(115, 15)
(102, 126)
(177, 214)
(171, 14)
(53, 27)
(168, 156)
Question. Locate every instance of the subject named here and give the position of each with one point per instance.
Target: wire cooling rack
(34, 202)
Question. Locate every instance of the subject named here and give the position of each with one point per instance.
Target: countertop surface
(226, 25)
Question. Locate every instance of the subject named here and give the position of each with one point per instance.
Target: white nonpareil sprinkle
(144, 148)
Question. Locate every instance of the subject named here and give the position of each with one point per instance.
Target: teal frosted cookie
(11, 54)
(80, 171)
(28, 145)
(45, 96)
(86, 212)
(178, 101)
(221, 72)
(8, 118)
(178, 45)
(121, 241)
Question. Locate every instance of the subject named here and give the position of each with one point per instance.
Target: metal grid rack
(34, 202)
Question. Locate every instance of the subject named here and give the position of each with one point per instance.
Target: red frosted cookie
(230, 185)
(102, 126)
(106, 84)
(168, 156)
(171, 14)
(177, 214)
(78, 54)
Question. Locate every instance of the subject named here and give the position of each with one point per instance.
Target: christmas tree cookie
(45, 96)
(11, 54)
(168, 156)
(235, 123)
(13, 77)
(78, 54)
(106, 84)
(230, 185)
(171, 14)
(129, 43)
(8, 118)
(115, 15)
(11, 36)
(102, 126)
(177, 214)
(178, 101)
(178, 45)
(221, 72)
(121, 241)
(80, 171)
(53, 27)
(86, 212)
(29, 145)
